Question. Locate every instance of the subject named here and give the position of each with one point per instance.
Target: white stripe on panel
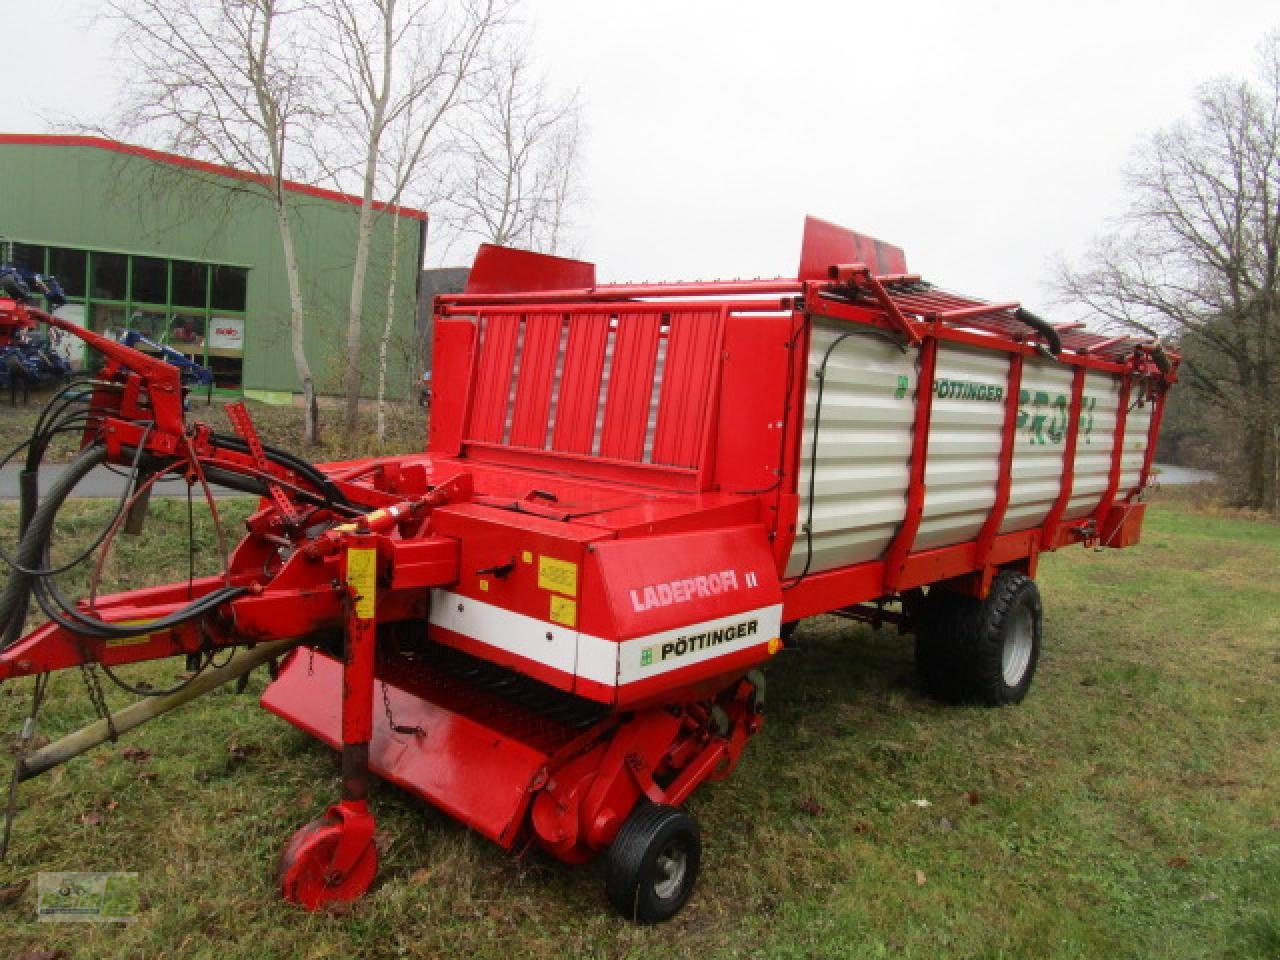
(597, 658)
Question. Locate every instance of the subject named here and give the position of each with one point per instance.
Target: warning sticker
(362, 574)
(564, 610)
(558, 575)
(134, 640)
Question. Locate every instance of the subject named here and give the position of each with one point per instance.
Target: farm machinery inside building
(552, 623)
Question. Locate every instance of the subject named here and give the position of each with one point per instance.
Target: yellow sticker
(134, 640)
(484, 586)
(564, 610)
(558, 575)
(527, 556)
(362, 574)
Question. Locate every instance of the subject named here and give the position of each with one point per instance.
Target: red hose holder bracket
(860, 275)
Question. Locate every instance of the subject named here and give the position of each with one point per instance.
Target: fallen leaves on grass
(242, 751)
(13, 891)
(42, 955)
(136, 754)
(811, 806)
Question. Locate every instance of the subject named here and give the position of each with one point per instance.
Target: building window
(110, 276)
(150, 280)
(29, 257)
(195, 308)
(229, 286)
(69, 267)
(190, 283)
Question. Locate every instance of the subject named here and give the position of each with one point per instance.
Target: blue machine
(25, 285)
(193, 374)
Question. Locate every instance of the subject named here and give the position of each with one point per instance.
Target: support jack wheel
(330, 860)
(653, 863)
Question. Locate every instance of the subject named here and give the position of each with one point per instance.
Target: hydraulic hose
(16, 596)
(1041, 327)
(285, 459)
(34, 550)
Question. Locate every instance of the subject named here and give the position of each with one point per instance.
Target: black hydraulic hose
(1161, 358)
(1041, 327)
(16, 596)
(57, 607)
(288, 460)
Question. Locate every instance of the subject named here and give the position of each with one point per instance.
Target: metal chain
(391, 721)
(93, 685)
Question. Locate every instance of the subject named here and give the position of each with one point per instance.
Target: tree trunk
(386, 328)
(352, 377)
(297, 331)
(1256, 468)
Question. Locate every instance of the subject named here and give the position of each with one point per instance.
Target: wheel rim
(669, 871)
(1018, 643)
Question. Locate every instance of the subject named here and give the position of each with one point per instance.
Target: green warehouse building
(188, 253)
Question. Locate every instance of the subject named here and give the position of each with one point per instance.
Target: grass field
(1129, 808)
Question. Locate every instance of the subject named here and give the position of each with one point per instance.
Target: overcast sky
(984, 138)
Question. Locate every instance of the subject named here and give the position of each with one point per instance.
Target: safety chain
(391, 721)
(93, 685)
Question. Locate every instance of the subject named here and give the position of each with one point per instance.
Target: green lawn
(1129, 808)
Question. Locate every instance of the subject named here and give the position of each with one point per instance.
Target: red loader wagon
(552, 623)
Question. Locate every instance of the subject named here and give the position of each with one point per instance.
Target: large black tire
(984, 651)
(653, 863)
(946, 620)
(1005, 647)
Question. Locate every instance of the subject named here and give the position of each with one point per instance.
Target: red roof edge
(160, 156)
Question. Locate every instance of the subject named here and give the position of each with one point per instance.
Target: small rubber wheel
(653, 863)
(945, 623)
(1005, 644)
(303, 872)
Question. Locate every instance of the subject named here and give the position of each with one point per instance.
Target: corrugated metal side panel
(863, 449)
(1044, 405)
(964, 445)
(1136, 430)
(1098, 410)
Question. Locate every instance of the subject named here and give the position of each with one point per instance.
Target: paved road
(100, 484)
(1170, 475)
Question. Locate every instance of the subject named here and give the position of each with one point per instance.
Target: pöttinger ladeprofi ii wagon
(551, 624)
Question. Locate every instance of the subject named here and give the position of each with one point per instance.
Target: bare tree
(387, 60)
(1196, 258)
(410, 151)
(228, 81)
(517, 162)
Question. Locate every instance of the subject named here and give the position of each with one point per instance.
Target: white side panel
(863, 448)
(1098, 410)
(1044, 405)
(1136, 430)
(964, 444)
